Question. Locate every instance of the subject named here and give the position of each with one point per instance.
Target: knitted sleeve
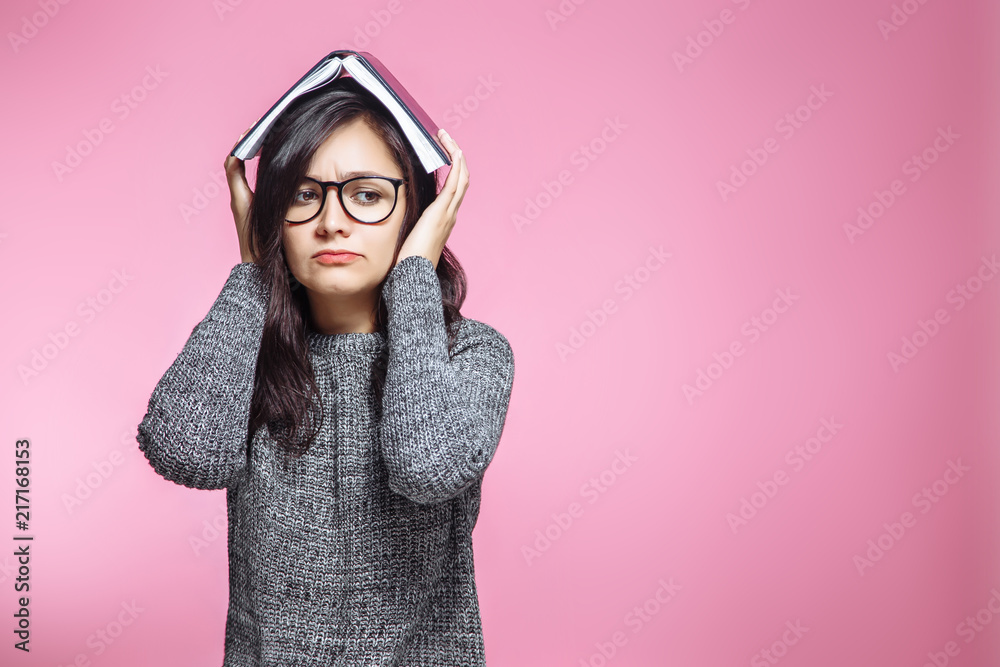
(194, 432)
(441, 417)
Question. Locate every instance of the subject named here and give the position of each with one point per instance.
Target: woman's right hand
(240, 199)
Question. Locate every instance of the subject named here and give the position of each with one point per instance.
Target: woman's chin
(337, 288)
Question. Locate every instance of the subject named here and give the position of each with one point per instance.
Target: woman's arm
(194, 432)
(441, 418)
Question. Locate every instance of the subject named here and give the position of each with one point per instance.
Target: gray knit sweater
(359, 552)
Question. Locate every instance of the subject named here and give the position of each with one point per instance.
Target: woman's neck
(332, 315)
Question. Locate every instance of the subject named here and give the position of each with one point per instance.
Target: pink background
(650, 564)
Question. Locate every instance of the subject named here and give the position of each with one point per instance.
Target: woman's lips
(339, 258)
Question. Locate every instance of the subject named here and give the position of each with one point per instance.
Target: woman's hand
(429, 234)
(239, 202)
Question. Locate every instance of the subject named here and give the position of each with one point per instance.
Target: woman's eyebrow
(350, 174)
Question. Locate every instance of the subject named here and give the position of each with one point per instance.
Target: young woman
(337, 394)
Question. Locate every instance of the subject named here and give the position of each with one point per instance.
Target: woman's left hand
(429, 234)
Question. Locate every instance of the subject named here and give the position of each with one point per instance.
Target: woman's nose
(333, 216)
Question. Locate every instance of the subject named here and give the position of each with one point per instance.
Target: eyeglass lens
(365, 199)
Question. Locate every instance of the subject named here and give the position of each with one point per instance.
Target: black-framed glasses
(367, 199)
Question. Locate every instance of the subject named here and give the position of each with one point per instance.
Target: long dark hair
(286, 399)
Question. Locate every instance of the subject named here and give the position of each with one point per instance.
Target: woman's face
(351, 150)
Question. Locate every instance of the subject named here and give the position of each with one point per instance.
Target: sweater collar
(347, 343)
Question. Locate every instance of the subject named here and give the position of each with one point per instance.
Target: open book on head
(363, 67)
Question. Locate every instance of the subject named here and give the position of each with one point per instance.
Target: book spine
(249, 146)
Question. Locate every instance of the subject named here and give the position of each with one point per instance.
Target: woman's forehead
(352, 148)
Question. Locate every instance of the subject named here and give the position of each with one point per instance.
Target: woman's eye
(305, 196)
(367, 197)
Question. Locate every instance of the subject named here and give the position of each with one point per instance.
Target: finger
(461, 185)
(233, 164)
(235, 167)
(245, 131)
(236, 175)
(445, 137)
(452, 187)
(449, 143)
(241, 138)
(446, 198)
(451, 182)
(454, 151)
(239, 192)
